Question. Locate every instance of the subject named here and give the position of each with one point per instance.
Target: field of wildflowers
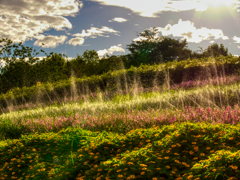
(189, 131)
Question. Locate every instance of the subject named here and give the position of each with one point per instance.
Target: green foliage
(161, 148)
(75, 66)
(89, 64)
(170, 49)
(148, 73)
(179, 150)
(213, 50)
(150, 50)
(19, 73)
(16, 75)
(17, 52)
(55, 69)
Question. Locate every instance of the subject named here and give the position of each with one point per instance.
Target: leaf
(132, 168)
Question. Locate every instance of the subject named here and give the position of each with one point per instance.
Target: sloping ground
(182, 150)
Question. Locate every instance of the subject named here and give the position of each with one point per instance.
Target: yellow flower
(38, 83)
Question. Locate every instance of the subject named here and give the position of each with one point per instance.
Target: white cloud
(23, 20)
(110, 50)
(49, 41)
(237, 39)
(118, 20)
(76, 41)
(101, 53)
(140, 38)
(93, 32)
(149, 8)
(187, 30)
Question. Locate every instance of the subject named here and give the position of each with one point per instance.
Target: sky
(107, 26)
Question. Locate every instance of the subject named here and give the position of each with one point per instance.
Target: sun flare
(220, 3)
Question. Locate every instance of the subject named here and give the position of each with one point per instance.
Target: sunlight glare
(219, 3)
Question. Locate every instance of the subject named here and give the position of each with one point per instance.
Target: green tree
(168, 50)
(90, 56)
(111, 63)
(22, 53)
(87, 64)
(151, 49)
(53, 68)
(140, 49)
(91, 59)
(76, 66)
(19, 73)
(213, 50)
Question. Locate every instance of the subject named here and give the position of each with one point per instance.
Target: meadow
(185, 131)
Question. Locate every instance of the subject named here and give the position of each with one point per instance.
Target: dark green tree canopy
(213, 50)
(90, 56)
(157, 49)
(22, 53)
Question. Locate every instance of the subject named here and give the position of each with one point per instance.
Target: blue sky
(107, 26)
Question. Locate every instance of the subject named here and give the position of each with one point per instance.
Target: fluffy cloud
(237, 39)
(49, 41)
(149, 8)
(188, 31)
(101, 53)
(118, 20)
(23, 20)
(110, 50)
(93, 32)
(76, 41)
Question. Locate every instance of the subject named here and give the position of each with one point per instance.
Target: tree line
(149, 50)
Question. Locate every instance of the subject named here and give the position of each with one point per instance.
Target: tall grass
(184, 133)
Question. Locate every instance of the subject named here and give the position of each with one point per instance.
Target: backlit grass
(208, 96)
(151, 135)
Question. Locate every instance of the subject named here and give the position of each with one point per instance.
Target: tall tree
(16, 75)
(76, 66)
(141, 48)
(22, 53)
(15, 72)
(151, 48)
(91, 58)
(21, 72)
(112, 63)
(168, 50)
(213, 50)
(54, 68)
